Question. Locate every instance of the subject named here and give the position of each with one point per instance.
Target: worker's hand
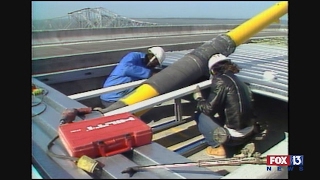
(197, 94)
(97, 109)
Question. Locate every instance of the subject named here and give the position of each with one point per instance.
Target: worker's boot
(217, 152)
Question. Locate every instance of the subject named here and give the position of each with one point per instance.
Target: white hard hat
(158, 53)
(215, 59)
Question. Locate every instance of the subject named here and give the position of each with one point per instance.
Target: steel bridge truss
(89, 18)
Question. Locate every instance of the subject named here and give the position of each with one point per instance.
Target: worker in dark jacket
(226, 117)
(132, 67)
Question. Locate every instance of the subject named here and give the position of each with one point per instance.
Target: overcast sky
(156, 9)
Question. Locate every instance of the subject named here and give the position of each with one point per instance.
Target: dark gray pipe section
(114, 106)
(192, 66)
(187, 69)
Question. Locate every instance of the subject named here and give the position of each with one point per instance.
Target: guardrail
(87, 35)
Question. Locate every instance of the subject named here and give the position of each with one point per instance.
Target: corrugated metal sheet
(254, 60)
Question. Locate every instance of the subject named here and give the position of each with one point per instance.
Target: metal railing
(146, 104)
(98, 92)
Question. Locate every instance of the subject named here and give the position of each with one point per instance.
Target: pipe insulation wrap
(192, 66)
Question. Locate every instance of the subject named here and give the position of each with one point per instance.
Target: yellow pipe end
(143, 92)
(247, 29)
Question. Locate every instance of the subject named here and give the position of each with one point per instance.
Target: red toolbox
(104, 136)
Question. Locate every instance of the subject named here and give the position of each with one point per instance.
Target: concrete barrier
(87, 35)
(76, 61)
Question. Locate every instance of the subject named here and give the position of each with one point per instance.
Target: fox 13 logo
(293, 162)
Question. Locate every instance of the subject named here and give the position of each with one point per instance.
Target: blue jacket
(130, 68)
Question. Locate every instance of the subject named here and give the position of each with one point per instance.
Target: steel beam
(150, 103)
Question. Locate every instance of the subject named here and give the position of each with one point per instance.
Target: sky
(156, 9)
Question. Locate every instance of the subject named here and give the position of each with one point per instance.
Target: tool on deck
(84, 162)
(104, 136)
(234, 161)
(98, 137)
(69, 115)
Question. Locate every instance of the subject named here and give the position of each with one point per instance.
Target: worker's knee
(222, 136)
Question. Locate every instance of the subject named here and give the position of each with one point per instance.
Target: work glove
(197, 94)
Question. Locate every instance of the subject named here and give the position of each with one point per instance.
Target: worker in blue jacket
(132, 67)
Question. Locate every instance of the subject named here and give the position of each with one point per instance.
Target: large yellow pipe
(143, 92)
(247, 29)
(238, 35)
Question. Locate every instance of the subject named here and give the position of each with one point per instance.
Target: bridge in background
(88, 18)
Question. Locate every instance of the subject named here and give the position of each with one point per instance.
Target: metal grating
(254, 60)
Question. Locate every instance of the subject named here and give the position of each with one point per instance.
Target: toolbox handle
(127, 147)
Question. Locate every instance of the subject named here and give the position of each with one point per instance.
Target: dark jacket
(231, 99)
